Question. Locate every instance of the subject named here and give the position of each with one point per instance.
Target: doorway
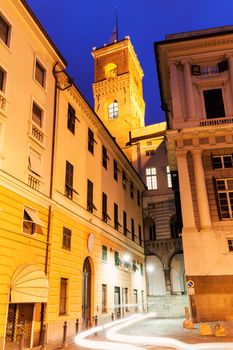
(20, 317)
(86, 294)
(117, 302)
(135, 300)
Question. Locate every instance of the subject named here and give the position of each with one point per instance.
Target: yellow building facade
(70, 202)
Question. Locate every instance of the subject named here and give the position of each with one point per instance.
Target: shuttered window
(71, 118)
(132, 230)
(69, 180)
(63, 296)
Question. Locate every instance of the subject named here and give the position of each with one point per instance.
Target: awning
(29, 284)
(33, 216)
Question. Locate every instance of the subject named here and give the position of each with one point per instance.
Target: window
(116, 224)
(210, 69)
(131, 189)
(230, 245)
(117, 259)
(132, 230)
(140, 235)
(124, 179)
(4, 31)
(2, 79)
(34, 162)
(66, 240)
(31, 221)
(150, 152)
(69, 180)
(105, 216)
(141, 268)
(152, 232)
(225, 197)
(135, 268)
(40, 74)
(214, 104)
(115, 170)
(222, 162)
(63, 296)
(125, 230)
(105, 157)
(169, 178)
(104, 298)
(126, 299)
(138, 197)
(151, 179)
(71, 119)
(104, 253)
(91, 141)
(113, 110)
(37, 115)
(90, 204)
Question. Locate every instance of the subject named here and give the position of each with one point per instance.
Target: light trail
(104, 345)
(161, 341)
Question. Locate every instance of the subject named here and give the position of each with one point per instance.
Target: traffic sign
(190, 284)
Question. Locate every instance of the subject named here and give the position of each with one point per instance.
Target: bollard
(95, 323)
(64, 343)
(43, 338)
(112, 316)
(77, 326)
(21, 340)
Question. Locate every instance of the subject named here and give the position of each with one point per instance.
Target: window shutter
(222, 66)
(196, 70)
(216, 197)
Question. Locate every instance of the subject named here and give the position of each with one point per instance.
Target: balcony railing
(34, 182)
(164, 244)
(37, 133)
(3, 102)
(216, 121)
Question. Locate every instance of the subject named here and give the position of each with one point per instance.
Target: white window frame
(227, 191)
(113, 110)
(151, 178)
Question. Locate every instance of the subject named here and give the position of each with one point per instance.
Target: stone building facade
(196, 79)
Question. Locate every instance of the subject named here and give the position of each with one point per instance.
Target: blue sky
(76, 26)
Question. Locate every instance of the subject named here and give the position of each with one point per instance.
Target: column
(189, 91)
(175, 92)
(201, 191)
(185, 192)
(230, 64)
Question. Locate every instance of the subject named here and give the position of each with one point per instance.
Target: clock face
(90, 242)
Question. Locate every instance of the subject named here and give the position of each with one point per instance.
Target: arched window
(110, 70)
(113, 110)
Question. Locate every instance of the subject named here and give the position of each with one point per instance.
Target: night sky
(76, 26)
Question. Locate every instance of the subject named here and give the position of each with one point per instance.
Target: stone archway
(177, 274)
(155, 276)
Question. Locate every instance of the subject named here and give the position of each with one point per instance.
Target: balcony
(34, 182)
(159, 246)
(37, 134)
(216, 121)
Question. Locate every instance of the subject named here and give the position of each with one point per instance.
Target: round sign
(190, 284)
(90, 242)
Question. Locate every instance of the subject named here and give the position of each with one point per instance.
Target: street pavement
(166, 327)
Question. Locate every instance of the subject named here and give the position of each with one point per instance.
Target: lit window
(225, 197)
(222, 162)
(40, 74)
(150, 152)
(4, 31)
(66, 239)
(169, 178)
(151, 179)
(31, 221)
(104, 253)
(113, 110)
